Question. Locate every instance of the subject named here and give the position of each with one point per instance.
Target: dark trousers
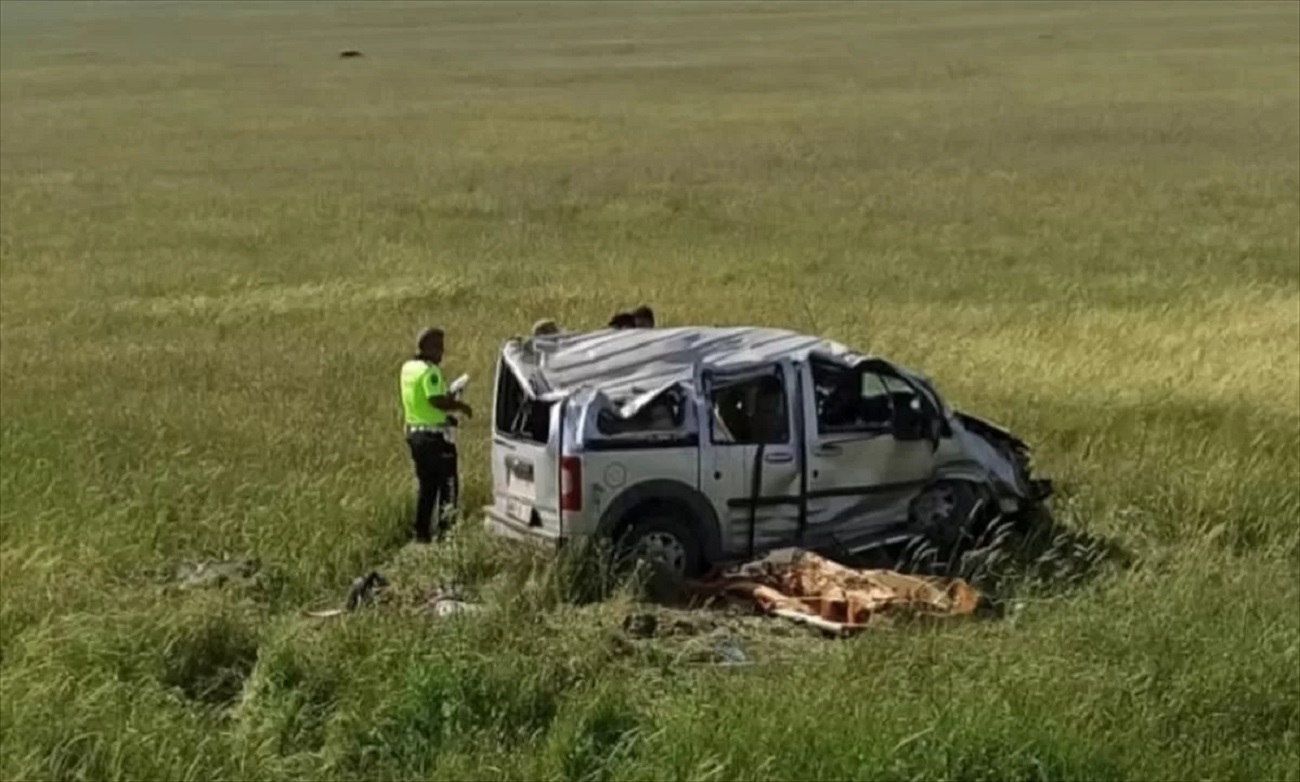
(436, 472)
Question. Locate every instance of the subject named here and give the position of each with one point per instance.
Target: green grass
(218, 240)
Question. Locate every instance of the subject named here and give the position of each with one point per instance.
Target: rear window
(517, 415)
(666, 413)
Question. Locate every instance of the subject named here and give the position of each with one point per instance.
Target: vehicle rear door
(525, 468)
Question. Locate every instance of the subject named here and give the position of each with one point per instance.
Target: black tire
(677, 547)
(952, 515)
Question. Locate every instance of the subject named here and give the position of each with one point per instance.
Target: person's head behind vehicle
(643, 317)
(622, 320)
(430, 344)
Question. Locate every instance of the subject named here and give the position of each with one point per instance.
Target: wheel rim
(936, 506)
(663, 548)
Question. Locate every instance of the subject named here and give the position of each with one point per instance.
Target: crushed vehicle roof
(619, 362)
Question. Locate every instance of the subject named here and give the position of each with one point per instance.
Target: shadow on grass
(1011, 557)
(210, 659)
(582, 573)
(1038, 552)
(1033, 554)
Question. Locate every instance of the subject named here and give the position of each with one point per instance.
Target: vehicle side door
(869, 451)
(750, 455)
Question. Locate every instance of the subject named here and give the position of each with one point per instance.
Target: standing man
(425, 404)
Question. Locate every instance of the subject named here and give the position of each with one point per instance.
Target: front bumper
(506, 527)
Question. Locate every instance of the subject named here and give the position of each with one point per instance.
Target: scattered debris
(373, 588)
(447, 606)
(806, 588)
(714, 650)
(363, 590)
(640, 625)
(449, 600)
(794, 584)
(210, 573)
(730, 653)
(326, 613)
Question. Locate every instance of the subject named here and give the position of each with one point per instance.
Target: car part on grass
(729, 652)
(713, 652)
(327, 613)
(363, 590)
(441, 605)
(806, 588)
(640, 625)
(210, 573)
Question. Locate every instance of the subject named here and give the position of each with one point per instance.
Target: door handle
(828, 450)
(778, 458)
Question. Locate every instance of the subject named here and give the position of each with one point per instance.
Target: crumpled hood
(995, 449)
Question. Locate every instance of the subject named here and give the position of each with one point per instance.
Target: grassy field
(219, 238)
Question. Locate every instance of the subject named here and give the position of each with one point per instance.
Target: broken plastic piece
(362, 590)
(327, 613)
(446, 606)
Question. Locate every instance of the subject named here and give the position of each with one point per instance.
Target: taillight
(570, 483)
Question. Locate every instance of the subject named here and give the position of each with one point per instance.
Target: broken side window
(851, 400)
(665, 413)
(750, 412)
(838, 397)
(518, 415)
(884, 398)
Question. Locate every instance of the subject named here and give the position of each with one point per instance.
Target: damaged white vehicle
(706, 446)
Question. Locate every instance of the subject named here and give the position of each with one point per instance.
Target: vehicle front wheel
(952, 515)
(663, 542)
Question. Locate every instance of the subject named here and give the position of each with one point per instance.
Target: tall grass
(217, 239)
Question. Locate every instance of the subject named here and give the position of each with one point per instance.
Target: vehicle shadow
(1036, 553)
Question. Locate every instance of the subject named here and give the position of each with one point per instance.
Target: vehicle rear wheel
(662, 542)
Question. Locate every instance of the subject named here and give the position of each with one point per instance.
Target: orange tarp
(811, 589)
